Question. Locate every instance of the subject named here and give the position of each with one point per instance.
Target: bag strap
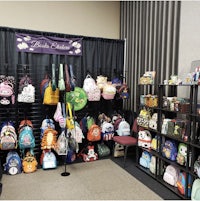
(72, 78)
(67, 81)
(53, 77)
(61, 82)
(69, 110)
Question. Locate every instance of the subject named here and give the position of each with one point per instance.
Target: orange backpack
(94, 133)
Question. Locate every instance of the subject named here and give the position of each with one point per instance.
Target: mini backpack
(13, 163)
(169, 150)
(107, 131)
(109, 91)
(152, 165)
(145, 159)
(181, 184)
(62, 144)
(26, 139)
(182, 154)
(49, 160)
(7, 85)
(144, 139)
(94, 133)
(92, 90)
(29, 163)
(8, 137)
(155, 143)
(46, 123)
(171, 175)
(144, 118)
(123, 128)
(89, 154)
(195, 194)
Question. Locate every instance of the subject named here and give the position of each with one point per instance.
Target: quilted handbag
(103, 150)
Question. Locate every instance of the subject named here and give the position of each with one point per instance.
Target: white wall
(87, 18)
(189, 44)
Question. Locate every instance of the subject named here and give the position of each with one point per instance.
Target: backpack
(7, 85)
(181, 184)
(144, 139)
(145, 159)
(26, 138)
(91, 88)
(107, 131)
(26, 90)
(48, 160)
(123, 128)
(155, 143)
(46, 123)
(118, 150)
(29, 163)
(13, 163)
(197, 166)
(8, 137)
(195, 194)
(123, 91)
(152, 165)
(62, 144)
(182, 154)
(169, 150)
(109, 91)
(49, 139)
(94, 133)
(90, 122)
(171, 175)
(70, 156)
(144, 118)
(89, 154)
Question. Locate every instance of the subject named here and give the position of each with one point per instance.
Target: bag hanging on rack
(51, 97)
(72, 78)
(61, 82)
(69, 117)
(54, 86)
(67, 81)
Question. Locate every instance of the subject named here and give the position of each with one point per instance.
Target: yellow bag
(69, 117)
(51, 97)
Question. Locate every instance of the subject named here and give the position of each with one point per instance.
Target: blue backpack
(145, 159)
(169, 150)
(13, 163)
(26, 139)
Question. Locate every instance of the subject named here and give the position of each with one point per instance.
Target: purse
(103, 150)
(51, 97)
(69, 118)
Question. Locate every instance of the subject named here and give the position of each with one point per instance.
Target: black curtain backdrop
(100, 57)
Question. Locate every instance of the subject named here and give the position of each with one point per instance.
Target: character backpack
(13, 163)
(197, 166)
(182, 154)
(7, 86)
(145, 159)
(94, 133)
(195, 194)
(169, 150)
(29, 163)
(48, 160)
(92, 90)
(8, 136)
(171, 175)
(107, 131)
(144, 139)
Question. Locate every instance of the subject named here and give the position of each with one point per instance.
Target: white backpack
(195, 195)
(171, 175)
(123, 128)
(107, 131)
(92, 90)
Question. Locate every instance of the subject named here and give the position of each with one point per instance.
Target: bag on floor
(145, 159)
(103, 150)
(171, 175)
(8, 137)
(88, 154)
(118, 150)
(195, 195)
(29, 163)
(49, 160)
(13, 163)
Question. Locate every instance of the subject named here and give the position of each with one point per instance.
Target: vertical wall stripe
(151, 29)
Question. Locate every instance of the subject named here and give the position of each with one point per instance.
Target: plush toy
(182, 154)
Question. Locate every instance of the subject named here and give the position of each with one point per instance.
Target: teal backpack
(196, 190)
(26, 139)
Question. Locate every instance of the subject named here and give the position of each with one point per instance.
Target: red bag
(94, 133)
